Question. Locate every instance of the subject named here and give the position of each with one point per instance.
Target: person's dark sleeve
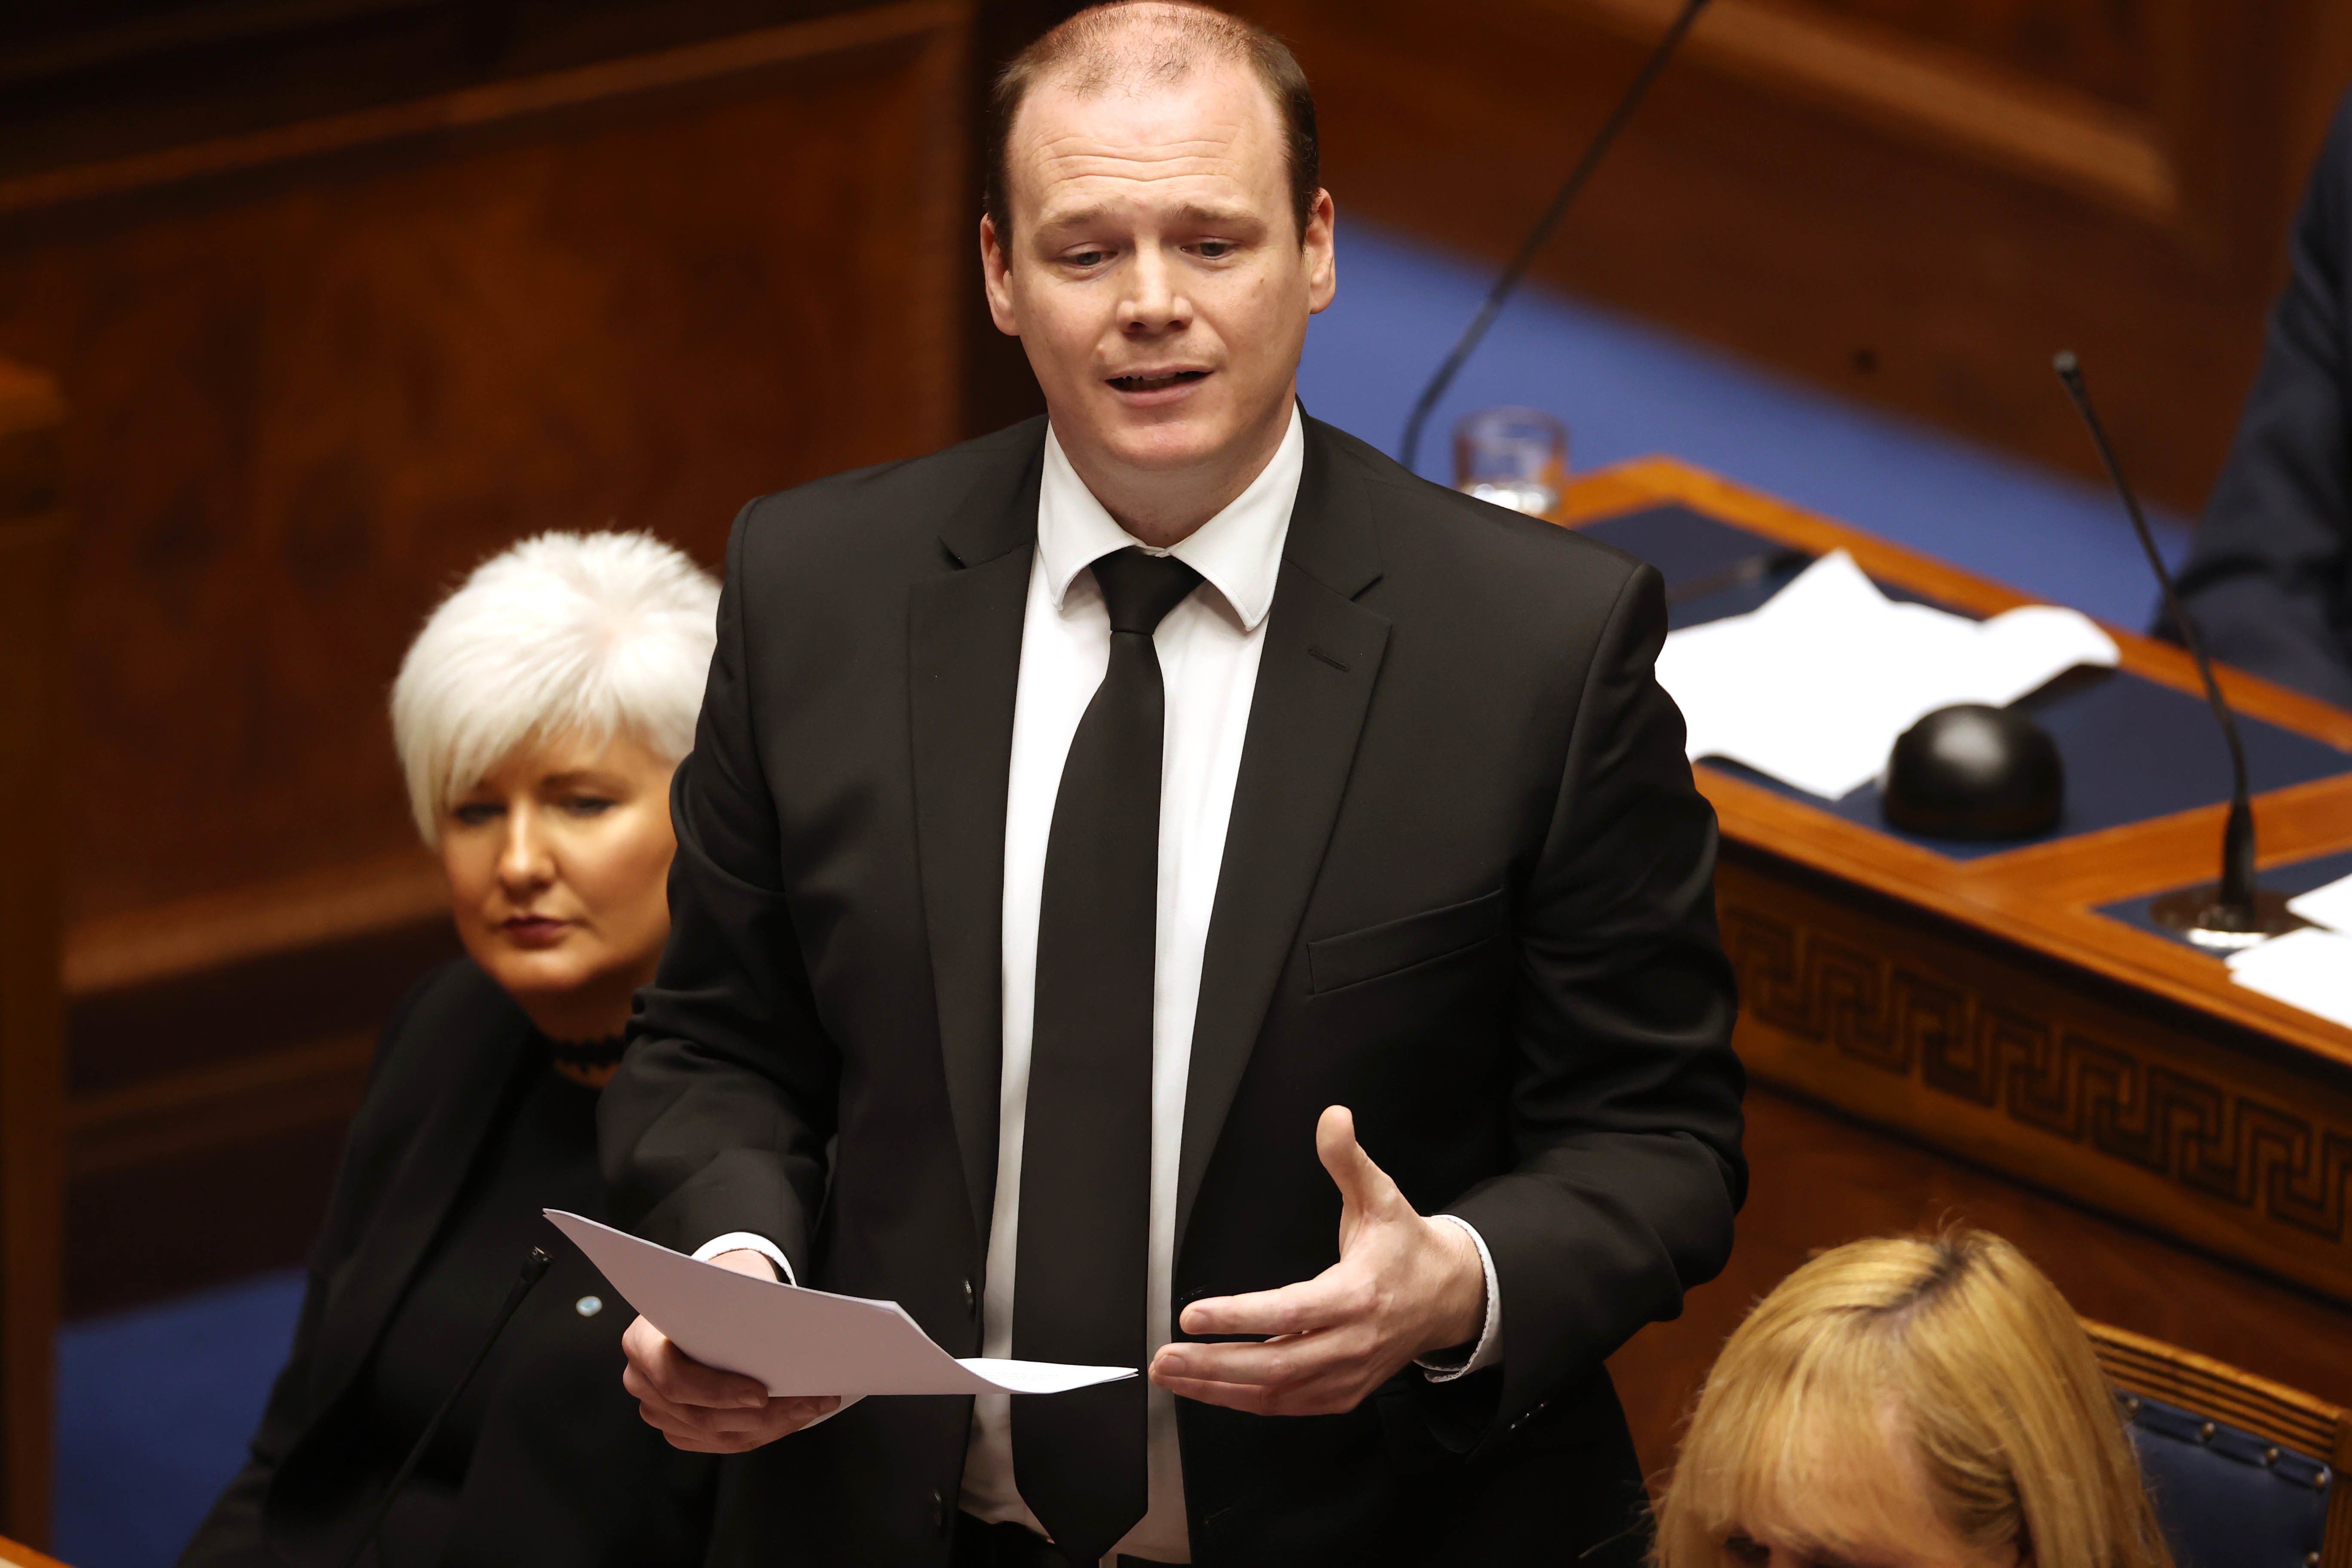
(231, 1534)
(2269, 579)
(1624, 1092)
(718, 1119)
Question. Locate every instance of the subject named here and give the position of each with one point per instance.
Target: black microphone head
(1975, 773)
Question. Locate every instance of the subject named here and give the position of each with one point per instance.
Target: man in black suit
(1116, 835)
(2269, 577)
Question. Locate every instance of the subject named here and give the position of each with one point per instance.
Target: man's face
(1154, 272)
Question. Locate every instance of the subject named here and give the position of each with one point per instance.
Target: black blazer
(1467, 891)
(2269, 578)
(563, 1469)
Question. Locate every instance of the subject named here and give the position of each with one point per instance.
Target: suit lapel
(1316, 674)
(484, 1051)
(963, 669)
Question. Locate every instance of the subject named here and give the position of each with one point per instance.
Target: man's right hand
(700, 1408)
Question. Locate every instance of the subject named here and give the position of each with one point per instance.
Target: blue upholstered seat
(2226, 1498)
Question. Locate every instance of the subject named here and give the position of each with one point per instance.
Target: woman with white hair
(538, 718)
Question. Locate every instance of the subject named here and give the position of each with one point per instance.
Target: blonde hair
(1948, 1359)
(596, 634)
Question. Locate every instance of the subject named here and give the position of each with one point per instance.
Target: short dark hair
(1097, 48)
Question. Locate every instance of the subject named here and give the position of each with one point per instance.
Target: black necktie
(1081, 1266)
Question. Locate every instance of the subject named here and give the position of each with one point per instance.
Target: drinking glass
(1516, 458)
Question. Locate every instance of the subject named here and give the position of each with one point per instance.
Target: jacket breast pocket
(1376, 951)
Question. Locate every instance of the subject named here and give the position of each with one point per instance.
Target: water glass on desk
(1516, 458)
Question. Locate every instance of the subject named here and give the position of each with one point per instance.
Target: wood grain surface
(1820, 1177)
(327, 365)
(332, 366)
(2042, 896)
(34, 544)
(14, 1556)
(1935, 1041)
(1912, 203)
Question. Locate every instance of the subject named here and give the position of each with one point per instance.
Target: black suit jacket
(2269, 578)
(565, 1469)
(1467, 891)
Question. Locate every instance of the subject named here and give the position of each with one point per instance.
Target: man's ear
(996, 277)
(1322, 260)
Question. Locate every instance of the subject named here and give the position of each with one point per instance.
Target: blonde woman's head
(1908, 1403)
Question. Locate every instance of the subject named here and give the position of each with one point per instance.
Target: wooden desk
(1984, 1040)
(15, 1556)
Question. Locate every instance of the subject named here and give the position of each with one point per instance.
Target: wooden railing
(32, 1050)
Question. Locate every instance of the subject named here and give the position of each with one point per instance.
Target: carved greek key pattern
(2203, 1136)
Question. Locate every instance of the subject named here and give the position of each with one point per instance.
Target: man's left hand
(1404, 1286)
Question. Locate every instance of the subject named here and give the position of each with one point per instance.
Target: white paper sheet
(2310, 969)
(799, 1342)
(2330, 906)
(1814, 687)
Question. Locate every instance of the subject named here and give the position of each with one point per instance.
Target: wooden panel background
(319, 399)
(34, 544)
(329, 365)
(1913, 202)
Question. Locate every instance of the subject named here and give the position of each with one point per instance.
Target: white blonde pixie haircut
(597, 633)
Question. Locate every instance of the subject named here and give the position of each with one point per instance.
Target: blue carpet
(153, 1410)
(156, 1405)
(1628, 389)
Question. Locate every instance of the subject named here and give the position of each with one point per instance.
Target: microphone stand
(1511, 275)
(534, 1269)
(2233, 912)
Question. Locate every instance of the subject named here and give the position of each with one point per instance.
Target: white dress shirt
(1208, 648)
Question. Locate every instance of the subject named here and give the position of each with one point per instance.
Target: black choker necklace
(604, 1053)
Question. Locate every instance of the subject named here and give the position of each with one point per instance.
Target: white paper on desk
(800, 1342)
(2310, 969)
(2330, 906)
(1814, 687)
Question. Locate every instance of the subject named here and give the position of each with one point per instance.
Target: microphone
(534, 1269)
(2235, 911)
(1512, 274)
